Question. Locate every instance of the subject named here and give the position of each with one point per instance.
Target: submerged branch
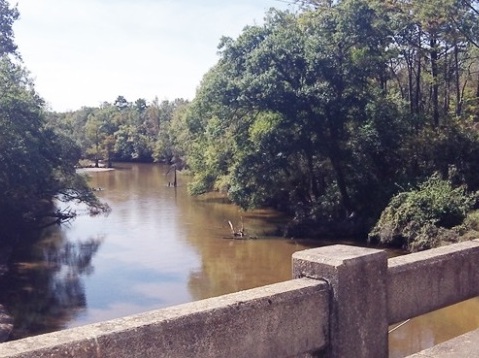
(86, 196)
(59, 217)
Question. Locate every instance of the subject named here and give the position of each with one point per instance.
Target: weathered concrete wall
(281, 320)
(425, 281)
(369, 292)
(358, 307)
(465, 346)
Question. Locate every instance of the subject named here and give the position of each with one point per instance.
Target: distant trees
(122, 130)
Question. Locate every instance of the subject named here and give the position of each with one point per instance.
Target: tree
(121, 103)
(101, 131)
(8, 15)
(36, 163)
(173, 137)
(280, 105)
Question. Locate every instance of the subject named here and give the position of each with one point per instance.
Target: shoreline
(91, 170)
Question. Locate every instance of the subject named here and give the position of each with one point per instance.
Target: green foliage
(173, 138)
(453, 150)
(275, 120)
(471, 222)
(320, 114)
(8, 15)
(420, 218)
(21, 141)
(124, 131)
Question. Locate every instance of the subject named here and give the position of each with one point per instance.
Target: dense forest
(37, 163)
(355, 117)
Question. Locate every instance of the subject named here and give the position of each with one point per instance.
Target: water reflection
(230, 265)
(433, 328)
(43, 289)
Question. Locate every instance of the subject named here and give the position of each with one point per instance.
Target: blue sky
(85, 52)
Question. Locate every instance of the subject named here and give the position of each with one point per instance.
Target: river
(160, 247)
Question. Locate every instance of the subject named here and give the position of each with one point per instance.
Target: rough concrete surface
(465, 346)
(357, 277)
(428, 280)
(281, 320)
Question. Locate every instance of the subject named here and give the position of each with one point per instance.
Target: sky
(86, 52)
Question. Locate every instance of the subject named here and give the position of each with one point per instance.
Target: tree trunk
(447, 80)
(457, 81)
(435, 80)
(341, 181)
(417, 98)
(476, 116)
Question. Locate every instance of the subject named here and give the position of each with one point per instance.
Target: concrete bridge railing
(339, 304)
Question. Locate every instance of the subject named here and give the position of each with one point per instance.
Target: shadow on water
(42, 288)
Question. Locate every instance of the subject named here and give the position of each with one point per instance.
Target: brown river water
(160, 247)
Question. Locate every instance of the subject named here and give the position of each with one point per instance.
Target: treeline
(122, 130)
(37, 163)
(334, 115)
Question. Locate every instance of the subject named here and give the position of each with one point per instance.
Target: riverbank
(85, 166)
(93, 170)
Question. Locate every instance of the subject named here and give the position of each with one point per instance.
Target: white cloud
(85, 52)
